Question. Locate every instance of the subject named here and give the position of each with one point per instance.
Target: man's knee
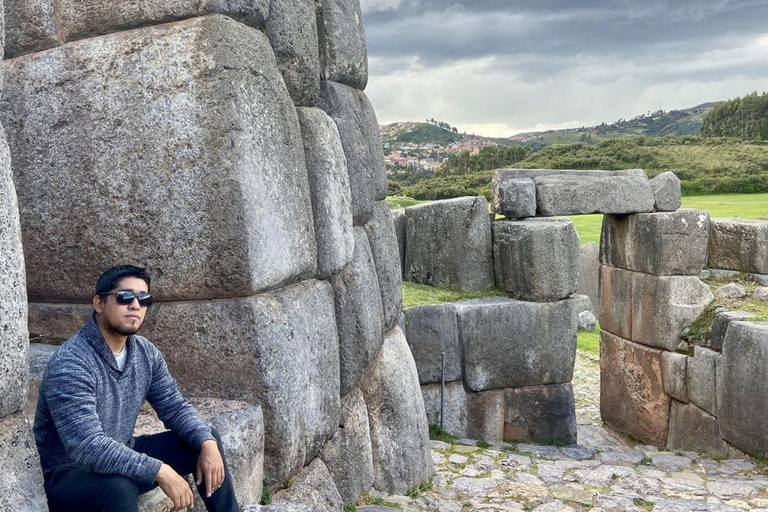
(119, 493)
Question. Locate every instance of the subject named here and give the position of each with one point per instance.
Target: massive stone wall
(230, 149)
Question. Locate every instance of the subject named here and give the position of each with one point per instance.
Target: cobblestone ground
(601, 473)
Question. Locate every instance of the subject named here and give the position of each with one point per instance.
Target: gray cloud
(602, 54)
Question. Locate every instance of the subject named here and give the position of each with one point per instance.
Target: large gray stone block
(386, 255)
(720, 326)
(173, 153)
(431, 330)
(241, 427)
(329, 189)
(402, 459)
(738, 244)
(35, 25)
(656, 243)
(359, 131)
(279, 350)
(398, 217)
(569, 193)
(632, 396)
(21, 481)
(312, 487)
(359, 313)
(674, 375)
(513, 197)
(589, 274)
(348, 455)
(540, 414)
(449, 244)
(536, 259)
(342, 42)
(505, 345)
(743, 409)
(702, 380)
(292, 31)
(666, 192)
(53, 321)
(467, 415)
(648, 309)
(14, 337)
(690, 428)
(39, 355)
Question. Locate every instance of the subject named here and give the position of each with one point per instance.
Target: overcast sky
(500, 67)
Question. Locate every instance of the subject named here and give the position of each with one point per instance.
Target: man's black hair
(109, 279)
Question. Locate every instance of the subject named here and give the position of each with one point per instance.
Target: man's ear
(98, 304)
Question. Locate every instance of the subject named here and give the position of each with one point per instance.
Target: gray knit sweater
(87, 407)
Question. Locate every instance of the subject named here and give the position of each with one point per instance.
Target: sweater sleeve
(71, 396)
(172, 408)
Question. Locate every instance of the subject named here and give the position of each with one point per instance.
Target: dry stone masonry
(229, 148)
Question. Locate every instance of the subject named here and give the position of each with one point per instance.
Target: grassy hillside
(418, 133)
(704, 165)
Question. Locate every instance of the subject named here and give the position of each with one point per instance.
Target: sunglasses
(126, 297)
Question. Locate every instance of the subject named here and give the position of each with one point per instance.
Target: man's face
(122, 319)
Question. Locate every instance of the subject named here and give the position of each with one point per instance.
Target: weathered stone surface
(648, 309)
(342, 43)
(180, 142)
(399, 431)
(292, 31)
(739, 244)
(701, 378)
(312, 487)
(587, 321)
(241, 427)
(666, 192)
(615, 310)
(347, 455)
(430, 331)
(574, 194)
(720, 326)
(39, 355)
(540, 414)
(513, 198)
(449, 244)
(14, 338)
(589, 274)
(690, 428)
(57, 321)
(35, 25)
(632, 396)
(21, 481)
(674, 375)
(745, 358)
(359, 313)
(279, 350)
(761, 293)
(329, 190)
(656, 243)
(582, 303)
(386, 255)
(466, 415)
(505, 346)
(398, 217)
(359, 131)
(731, 291)
(536, 259)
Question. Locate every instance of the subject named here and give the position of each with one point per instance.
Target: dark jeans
(81, 490)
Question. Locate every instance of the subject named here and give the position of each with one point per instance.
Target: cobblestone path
(601, 473)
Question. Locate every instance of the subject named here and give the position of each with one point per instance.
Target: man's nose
(135, 303)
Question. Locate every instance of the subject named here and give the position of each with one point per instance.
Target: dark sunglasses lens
(124, 297)
(145, 300)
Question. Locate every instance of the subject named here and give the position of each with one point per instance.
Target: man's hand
(175, 487)
(210, 467)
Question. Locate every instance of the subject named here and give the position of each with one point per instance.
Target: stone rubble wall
(230, 149)
(736, 246)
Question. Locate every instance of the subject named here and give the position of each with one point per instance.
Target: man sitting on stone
(89, 401)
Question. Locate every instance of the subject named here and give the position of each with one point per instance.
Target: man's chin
(126, 330)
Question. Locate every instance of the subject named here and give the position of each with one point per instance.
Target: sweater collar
(96, 340)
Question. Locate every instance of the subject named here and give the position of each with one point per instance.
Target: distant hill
(427, 133)
(743, 118)
(687, 121)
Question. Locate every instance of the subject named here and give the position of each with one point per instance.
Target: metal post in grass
(442, 391)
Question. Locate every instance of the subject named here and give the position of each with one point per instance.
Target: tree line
(742, 118)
